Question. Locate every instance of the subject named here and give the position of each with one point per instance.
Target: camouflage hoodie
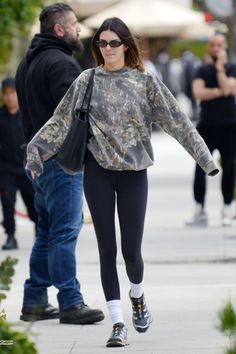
(124, 105)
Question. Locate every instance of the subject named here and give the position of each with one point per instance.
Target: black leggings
(223, 138)
(103, 190)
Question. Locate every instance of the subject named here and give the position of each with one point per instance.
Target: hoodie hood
(42, 42)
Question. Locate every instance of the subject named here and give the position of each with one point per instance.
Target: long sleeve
(50, 137)
(166, 112)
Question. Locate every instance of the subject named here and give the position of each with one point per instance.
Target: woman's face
(114, 56)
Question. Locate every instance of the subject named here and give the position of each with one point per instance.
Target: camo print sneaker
(118, 336)
(141, 316)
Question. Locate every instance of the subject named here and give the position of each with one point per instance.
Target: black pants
(223, 138)
(9, 184)
(103, 190)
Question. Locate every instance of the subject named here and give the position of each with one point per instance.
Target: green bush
(14, 342)
(6, 274)
(227, 325)
(11, 341)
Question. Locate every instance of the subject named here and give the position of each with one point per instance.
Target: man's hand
(222, 59)
(226, 84)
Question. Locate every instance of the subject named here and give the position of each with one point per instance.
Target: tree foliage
(15, 16)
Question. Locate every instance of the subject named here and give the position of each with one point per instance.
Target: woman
(126, 101)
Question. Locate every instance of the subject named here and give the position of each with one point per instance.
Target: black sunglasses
(115, 43)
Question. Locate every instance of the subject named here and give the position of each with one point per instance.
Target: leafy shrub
(11, 341)
(227, 325)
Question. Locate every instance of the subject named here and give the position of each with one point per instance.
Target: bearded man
(42, 79)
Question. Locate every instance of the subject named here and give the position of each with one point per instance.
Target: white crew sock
(227, 210)
(199, 209)
(136, 290)
(115, 311)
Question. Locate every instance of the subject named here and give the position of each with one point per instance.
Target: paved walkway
(189, 273)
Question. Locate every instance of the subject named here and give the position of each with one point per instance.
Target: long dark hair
(132, 54)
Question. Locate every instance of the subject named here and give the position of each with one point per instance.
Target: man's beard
(214, 58)
(75, 44)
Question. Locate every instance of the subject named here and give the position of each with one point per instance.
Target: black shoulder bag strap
(87, 96)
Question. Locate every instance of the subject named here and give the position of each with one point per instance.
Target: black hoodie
(42, 79)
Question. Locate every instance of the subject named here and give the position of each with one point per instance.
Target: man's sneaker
(227, 215)
(141, 316)
(80, 314)
(198, 220)
(199, 217)
(118, 336)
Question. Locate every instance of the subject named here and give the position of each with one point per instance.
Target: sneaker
(118, 336)
(141, 316)
(199, 217)
(81, 314)
(227, 215)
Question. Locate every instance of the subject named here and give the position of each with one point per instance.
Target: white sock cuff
(136, 290)
(115, 311)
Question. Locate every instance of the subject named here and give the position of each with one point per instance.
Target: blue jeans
(58, 201)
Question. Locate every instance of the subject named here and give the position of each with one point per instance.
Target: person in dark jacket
(12, 173)
(42, 79)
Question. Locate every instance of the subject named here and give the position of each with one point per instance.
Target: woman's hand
(33, 174)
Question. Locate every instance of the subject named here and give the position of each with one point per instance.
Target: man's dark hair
(51, 15)
(8, 82)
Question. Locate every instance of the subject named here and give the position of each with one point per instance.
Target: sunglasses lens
(101, 44)
(113, 44)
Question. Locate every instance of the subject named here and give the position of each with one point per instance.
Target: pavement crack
(72, 348)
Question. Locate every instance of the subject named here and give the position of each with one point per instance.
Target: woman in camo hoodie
(126, 101)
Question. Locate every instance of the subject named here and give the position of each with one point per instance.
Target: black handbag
(72, 152)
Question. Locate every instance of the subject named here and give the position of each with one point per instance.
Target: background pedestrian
(214, 86)
(12, 173)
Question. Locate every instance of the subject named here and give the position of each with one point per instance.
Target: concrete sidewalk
(189, 273)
